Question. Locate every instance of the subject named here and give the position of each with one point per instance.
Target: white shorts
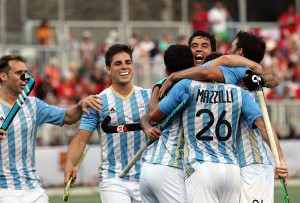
(160, 183)
(23, 196)
(257, 183)
(118, 190)
(214, 183)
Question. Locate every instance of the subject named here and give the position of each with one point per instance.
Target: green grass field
(294, 195)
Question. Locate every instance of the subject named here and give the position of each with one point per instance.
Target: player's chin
(198, 62)
(126, 79)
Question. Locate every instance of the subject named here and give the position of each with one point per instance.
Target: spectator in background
(46, 92)
(217, 17)
(53, 72)
(199, 18)
(87, 50)
(164, 43)
(99, 78)
(145, 46)
(289, 22)
(182, 40)
(45, 34)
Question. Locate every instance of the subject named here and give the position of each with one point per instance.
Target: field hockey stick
(107, 128)
(20, 101)
(272, 140)
(68, 185)
(164, 123)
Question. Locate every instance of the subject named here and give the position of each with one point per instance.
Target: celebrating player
(19, 181)
(256, 159)
(212, 168)
(124, 104)
(162, 176)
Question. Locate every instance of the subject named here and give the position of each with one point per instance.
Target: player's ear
(3, 76)
(240, 52)
(108, 68)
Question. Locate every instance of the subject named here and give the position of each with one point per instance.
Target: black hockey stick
(106, 127)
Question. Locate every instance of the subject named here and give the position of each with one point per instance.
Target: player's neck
(7, 96)
(123, 90)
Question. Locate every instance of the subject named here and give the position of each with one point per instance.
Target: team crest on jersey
(142, 107)
(112, 110)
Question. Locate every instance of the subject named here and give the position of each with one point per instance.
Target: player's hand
(153, 133)
(257, 68)
(165, 86)
(2, 133)
(70, 171)
(252, 81)
(93, 101)
(281, 172)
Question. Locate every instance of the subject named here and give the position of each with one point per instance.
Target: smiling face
(11, 80)
(200, 47)
(121, 70)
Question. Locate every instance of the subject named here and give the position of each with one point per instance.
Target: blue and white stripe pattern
(251, 147)
(214, 111)
(117, 149)
(17, 170)
(168, 149)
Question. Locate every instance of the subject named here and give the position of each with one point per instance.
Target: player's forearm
(259, 123)
(187, 73)
(154, 100)
(280, 153)
(199, 74)
(145, 123)
(75, 150)
(73, 114)
(271, 80)
(235, 61)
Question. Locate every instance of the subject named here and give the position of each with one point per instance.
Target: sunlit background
(64, 42)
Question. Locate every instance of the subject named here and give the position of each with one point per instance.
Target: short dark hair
(205, 34)
(253, 46)
(4, 60)
(212, 56)
(116, 49)
(178, 57)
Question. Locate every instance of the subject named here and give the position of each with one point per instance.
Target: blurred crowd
(86, 72)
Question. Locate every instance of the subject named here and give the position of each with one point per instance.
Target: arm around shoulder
(271, 80)
(74, 113)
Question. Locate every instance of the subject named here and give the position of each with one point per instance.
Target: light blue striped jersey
(168, 149)
(117, 149)
(251, 147)
(210, 121)
(17, 170)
